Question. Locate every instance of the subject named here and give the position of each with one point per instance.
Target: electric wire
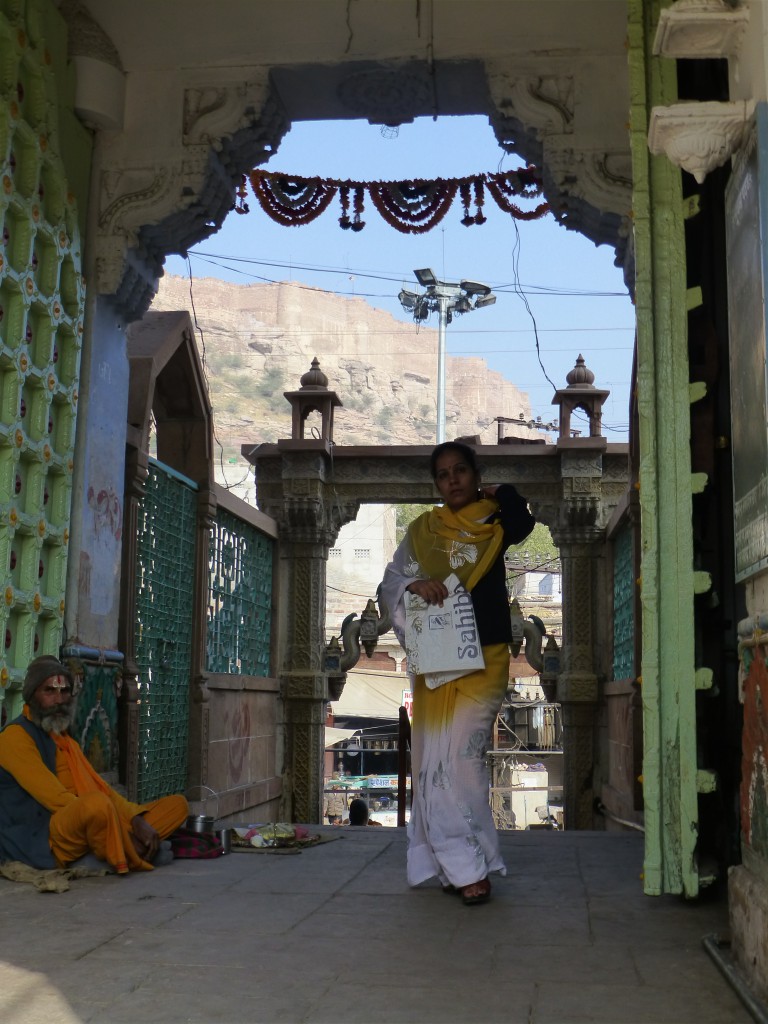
(517, 289)
(222, 260)
(204, 362)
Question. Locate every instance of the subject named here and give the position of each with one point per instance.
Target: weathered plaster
(668, 684)
(93, 590)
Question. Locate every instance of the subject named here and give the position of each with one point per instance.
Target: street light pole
(446, 299)
(442, 311)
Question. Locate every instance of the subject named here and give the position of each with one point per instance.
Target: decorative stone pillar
(309, 519)
(577, 685)
(299, 493)
(578, 534)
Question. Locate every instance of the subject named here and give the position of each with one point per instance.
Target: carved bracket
(602, 179)
(699, 136)
(309, 520)
(544, 104)
(700, 28)
(588, 191)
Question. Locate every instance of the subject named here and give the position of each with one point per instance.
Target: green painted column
(667, 576)
(44, 158)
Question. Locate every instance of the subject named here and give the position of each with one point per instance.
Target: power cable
(516, 248)
(204, 362)
(217, 258)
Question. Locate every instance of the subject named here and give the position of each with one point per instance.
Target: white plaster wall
(350, 577)
(748, 71)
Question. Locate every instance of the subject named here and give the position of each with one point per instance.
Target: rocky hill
(257, 340)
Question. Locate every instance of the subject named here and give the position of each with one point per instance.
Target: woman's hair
(464, 450)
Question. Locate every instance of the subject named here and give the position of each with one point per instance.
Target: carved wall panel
(544, 104)
(169, 182)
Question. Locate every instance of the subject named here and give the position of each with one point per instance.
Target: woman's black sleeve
(513, 514)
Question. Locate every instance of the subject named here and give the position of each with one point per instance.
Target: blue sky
(576, 295)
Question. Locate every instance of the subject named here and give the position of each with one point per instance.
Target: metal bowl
(200, 823)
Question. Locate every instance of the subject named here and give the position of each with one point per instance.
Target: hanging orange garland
(292, 201)
(412, 207)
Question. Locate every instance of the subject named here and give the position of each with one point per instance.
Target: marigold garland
(412, 207)
(292, 201)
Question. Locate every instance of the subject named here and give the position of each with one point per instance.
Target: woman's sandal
(477, 892)
(451, 890)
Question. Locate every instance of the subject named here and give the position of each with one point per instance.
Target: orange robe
(87, 815)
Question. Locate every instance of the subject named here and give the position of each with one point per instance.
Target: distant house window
(545, 585)
(334, 553)
(362, 552)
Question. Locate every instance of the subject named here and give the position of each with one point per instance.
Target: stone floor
(334, 935)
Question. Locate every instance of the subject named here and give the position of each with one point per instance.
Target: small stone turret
(580, 393)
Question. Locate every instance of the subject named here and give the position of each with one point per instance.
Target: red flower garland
(292, 201)
(344, 220)
(412, 207)
(497, 190)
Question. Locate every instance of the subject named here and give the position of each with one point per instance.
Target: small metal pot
(200, 823)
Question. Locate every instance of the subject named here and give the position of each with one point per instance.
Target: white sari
(451, 834)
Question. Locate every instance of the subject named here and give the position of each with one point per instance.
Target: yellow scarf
(443, 541)
(85, 778)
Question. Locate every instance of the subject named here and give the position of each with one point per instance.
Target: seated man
(358, 813)
(54, 807)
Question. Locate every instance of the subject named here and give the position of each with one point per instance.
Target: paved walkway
(333, 935)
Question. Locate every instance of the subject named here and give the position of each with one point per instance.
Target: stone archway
(179, 106)
(573, 487)
(165, 182)
(160, 191)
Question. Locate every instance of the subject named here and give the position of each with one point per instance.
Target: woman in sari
(451, 834)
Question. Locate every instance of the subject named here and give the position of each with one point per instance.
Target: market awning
(334, 735)
(372, 695)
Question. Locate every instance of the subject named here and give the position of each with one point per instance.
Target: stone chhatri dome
(580, 393)
(312, 396)
(314, 379)
(580, 375)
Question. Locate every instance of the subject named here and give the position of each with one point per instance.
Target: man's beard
(56, 720)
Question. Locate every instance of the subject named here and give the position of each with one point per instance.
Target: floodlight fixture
(421, 310)
(426, 277)
(475, 288)
(446, 299)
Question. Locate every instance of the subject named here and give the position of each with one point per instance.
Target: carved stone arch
(154, 200)
(588, 185)
(159, 197)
